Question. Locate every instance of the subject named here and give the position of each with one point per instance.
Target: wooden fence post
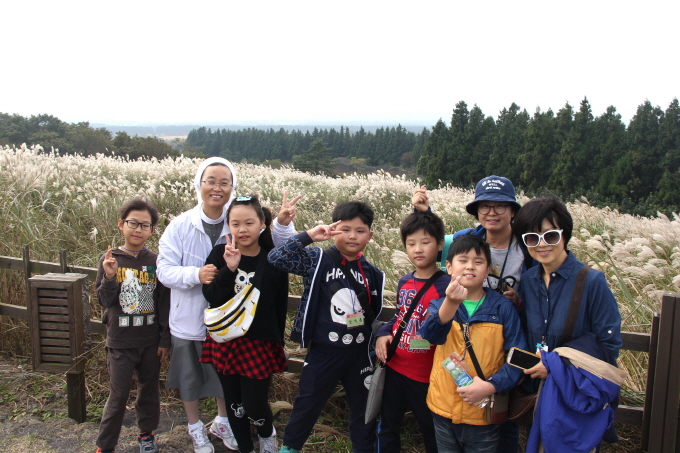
(663, 423)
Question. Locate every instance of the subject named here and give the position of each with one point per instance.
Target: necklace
(132, 251)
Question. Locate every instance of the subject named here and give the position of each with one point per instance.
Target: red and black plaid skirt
(254, 359)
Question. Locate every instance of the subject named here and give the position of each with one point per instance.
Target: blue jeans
(461, 438)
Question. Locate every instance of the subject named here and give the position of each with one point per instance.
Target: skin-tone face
(551, 257)
(136, 237)
(422, 250)
(493, 222)
(472, 270)
(245, 227)
(353, 236)
(215, 197)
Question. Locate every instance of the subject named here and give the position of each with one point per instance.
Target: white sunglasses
(550, 237)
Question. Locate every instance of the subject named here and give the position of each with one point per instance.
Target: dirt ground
(39, 423)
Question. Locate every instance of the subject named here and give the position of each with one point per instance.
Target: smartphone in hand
(522, 359)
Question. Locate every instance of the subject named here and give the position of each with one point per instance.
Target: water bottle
(457, 368)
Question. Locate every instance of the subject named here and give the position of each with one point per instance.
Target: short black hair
(465, 243)
(427, 221)
(139, 204)
(532, 214)
(351, 210)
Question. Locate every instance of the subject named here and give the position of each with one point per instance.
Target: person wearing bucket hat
(494, 206)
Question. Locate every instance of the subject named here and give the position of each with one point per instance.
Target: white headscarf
(201, 169)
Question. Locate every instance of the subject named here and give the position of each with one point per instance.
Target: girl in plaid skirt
(245, 364)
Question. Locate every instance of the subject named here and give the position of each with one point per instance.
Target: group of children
(211, 253)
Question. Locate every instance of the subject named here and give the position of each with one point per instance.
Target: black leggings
(247, 401)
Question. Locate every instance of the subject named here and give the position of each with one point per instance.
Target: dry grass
(53, 202)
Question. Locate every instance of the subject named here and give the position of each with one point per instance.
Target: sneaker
(285, 449)
(223, 431)
(147, 443)
(268, 444)
(199, 437)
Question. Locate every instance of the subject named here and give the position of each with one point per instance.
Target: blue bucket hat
(493, 188)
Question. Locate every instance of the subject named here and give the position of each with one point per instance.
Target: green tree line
(572, 153)
(77, 138)
(387, 146)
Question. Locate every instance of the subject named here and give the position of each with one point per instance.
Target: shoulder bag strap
(411, 309)
(574, 304)
(359, 289)
(468, 346)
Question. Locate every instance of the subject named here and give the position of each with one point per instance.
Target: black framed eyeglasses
(224, 185)
(497, 208)
(550, 237)
(134, 224)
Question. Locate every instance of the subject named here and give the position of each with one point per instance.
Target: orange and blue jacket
(494, 329)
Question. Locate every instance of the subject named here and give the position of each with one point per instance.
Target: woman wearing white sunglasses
(545, 226)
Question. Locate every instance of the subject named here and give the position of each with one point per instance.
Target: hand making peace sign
(287, 212)
(232, 255)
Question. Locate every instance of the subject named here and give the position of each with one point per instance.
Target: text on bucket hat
(493, 188)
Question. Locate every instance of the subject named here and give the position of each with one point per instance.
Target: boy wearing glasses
(136, 317)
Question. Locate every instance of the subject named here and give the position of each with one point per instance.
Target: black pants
(401, 394)
(247, 401)
(324, 367)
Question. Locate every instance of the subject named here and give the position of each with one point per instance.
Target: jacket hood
(201, 169)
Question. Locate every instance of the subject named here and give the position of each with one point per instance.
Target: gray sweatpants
(122, 363)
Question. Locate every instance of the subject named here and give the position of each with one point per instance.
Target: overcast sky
(130, 62)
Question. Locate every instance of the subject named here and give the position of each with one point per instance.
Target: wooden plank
(634, 341)
(54, 334)
(54, 342)
(54, 310)
(13, 264)
(628, 415)
(673, 390)
(66, 351)
(57, 293)
(42, 267)
(13, 311)
(53, 318)
(649, 388)
(53, 302)
(49, 288)
(53, 326)
(295, 365)
(55, 358)
(53, 367)
(97, 327)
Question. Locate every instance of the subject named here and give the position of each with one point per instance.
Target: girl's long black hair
(266, 240)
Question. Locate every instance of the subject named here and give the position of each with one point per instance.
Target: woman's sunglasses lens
(531, 239)
(551, 237)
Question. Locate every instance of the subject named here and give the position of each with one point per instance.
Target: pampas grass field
(53, 202)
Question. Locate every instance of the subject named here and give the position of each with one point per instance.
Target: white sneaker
(268, 444)
(199, 436)
(223, 431)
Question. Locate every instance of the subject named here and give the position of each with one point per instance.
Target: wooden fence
(658, 418)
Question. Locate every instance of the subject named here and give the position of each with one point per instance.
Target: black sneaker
(147, 443)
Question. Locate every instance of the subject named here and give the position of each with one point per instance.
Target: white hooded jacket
(182, 251)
